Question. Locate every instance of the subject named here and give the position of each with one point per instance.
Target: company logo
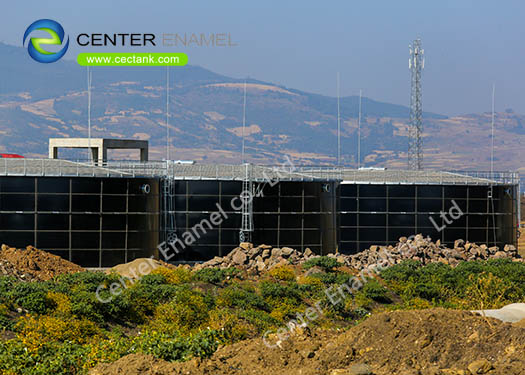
(56, 31)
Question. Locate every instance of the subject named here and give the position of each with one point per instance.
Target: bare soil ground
(34, 264)
(424, 342)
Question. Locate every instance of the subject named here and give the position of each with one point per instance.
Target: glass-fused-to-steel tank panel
(295, 214)
(94, 222)
(380, 214)
(103, 221)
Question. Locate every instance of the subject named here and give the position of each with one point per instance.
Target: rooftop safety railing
(193, 171)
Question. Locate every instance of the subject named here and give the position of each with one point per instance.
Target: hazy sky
(302, 44)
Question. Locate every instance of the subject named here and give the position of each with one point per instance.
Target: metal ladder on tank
(168, 206)
(245, 234)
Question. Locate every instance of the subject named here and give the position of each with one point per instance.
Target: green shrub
(82, 288)
(375, 291)
(260, 319)
(59, 359)
(332, 277)
(186, 312)
(177, 276)
(87, 280)
(470, 285)
(241, 296)
(324, 262)
(32, 297)
(163, 346)
(142, 299)
(285, 299)
(270, 289)
(84, 304)
(205, 343)
(177, 348)
(283, 273)
(214, 275)
(488, 291)
(152, 292)
(7, 285)
(153, 279)
(5, 321)
(402, 271)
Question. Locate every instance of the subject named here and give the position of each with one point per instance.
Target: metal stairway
(169, 226)
(245, 233)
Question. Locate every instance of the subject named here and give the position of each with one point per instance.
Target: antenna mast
(492, 132)
(416, 63)
(167, 112)
(243, 120)
(338, 125)
(89, 114)
(359, 132)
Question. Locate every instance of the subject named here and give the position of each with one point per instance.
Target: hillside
(50, 100)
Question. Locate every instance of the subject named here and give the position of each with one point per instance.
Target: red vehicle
(11, 156)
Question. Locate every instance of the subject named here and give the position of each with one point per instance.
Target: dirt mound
(430, 341)
(33, 264)
(134, 364)
(427, 342)
(246, 357)
(138, 267)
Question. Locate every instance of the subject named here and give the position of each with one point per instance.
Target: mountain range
(40, 101)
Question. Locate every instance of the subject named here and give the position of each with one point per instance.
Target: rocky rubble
(260, 258)
(7, 269)
(425, 251)
(264, 257)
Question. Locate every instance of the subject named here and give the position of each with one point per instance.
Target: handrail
(171, 169)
